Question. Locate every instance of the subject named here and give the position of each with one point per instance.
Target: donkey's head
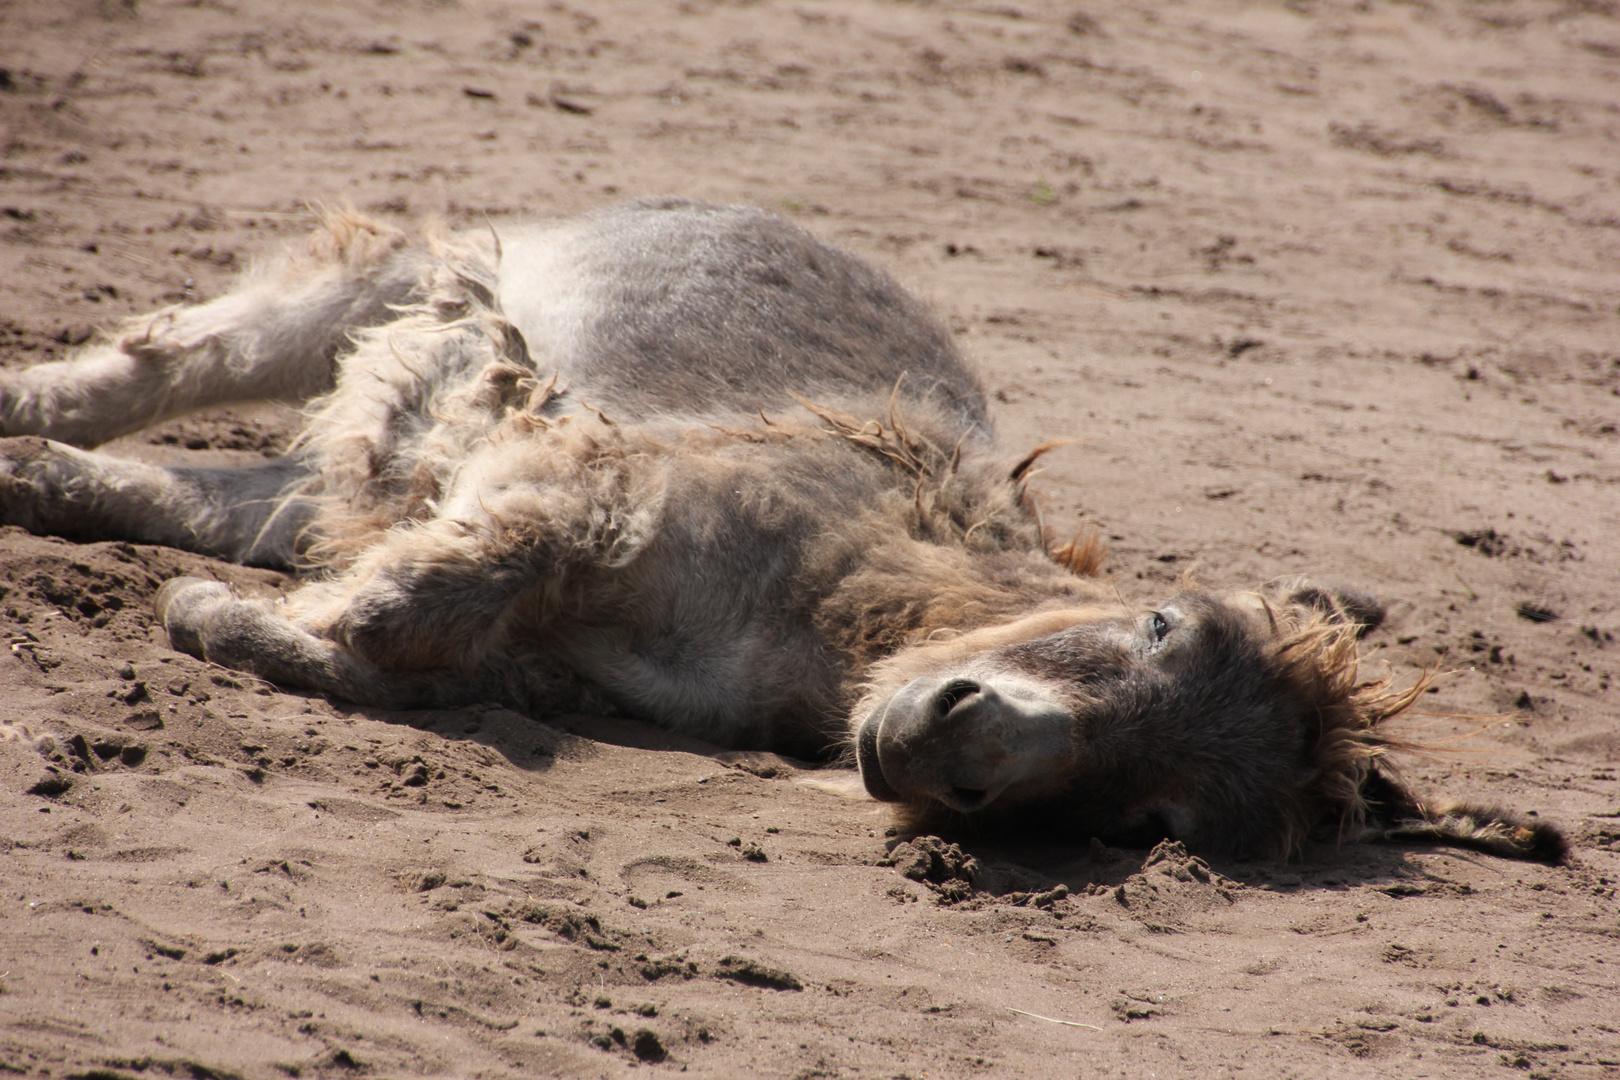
(1233, 723)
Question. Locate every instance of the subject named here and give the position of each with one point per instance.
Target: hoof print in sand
(752, 973)
(579, 928)
(643, 1043)
(52, 784)
(1138, 1005)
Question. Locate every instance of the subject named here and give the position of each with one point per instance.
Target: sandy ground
(1323, 288)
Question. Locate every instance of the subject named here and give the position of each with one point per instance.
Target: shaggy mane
(1318, 660)
(1353, 786)
(436, 383)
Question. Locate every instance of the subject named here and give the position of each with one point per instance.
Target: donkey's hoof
(24, 480)
(180, 606)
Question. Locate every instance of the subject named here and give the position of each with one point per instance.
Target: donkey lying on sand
(691, 463)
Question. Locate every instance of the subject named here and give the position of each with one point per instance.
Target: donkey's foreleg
(454, 605)
(425, 616)
(247, 515)
(435, 596)
(276, 336)
(206, 619)
(418, 632)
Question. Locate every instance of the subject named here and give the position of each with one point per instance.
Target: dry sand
(1323, 289)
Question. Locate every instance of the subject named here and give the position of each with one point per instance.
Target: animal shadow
(1166, 882)
(536, 745)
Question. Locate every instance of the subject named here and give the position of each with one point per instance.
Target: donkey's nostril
(953, 694)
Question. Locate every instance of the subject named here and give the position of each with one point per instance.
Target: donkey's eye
(1158, 626)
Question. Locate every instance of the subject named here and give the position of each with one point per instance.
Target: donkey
(689, 463)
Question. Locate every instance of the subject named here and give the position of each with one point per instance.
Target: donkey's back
(668, 307)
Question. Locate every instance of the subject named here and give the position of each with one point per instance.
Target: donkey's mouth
(866, 757)
(967, 800)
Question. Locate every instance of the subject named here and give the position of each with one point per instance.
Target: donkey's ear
(1395, 815)
(1342, 605)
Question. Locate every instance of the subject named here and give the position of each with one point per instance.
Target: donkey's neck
(905, 592)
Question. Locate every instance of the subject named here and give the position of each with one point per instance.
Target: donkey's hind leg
(276, 336)
(247, 515)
